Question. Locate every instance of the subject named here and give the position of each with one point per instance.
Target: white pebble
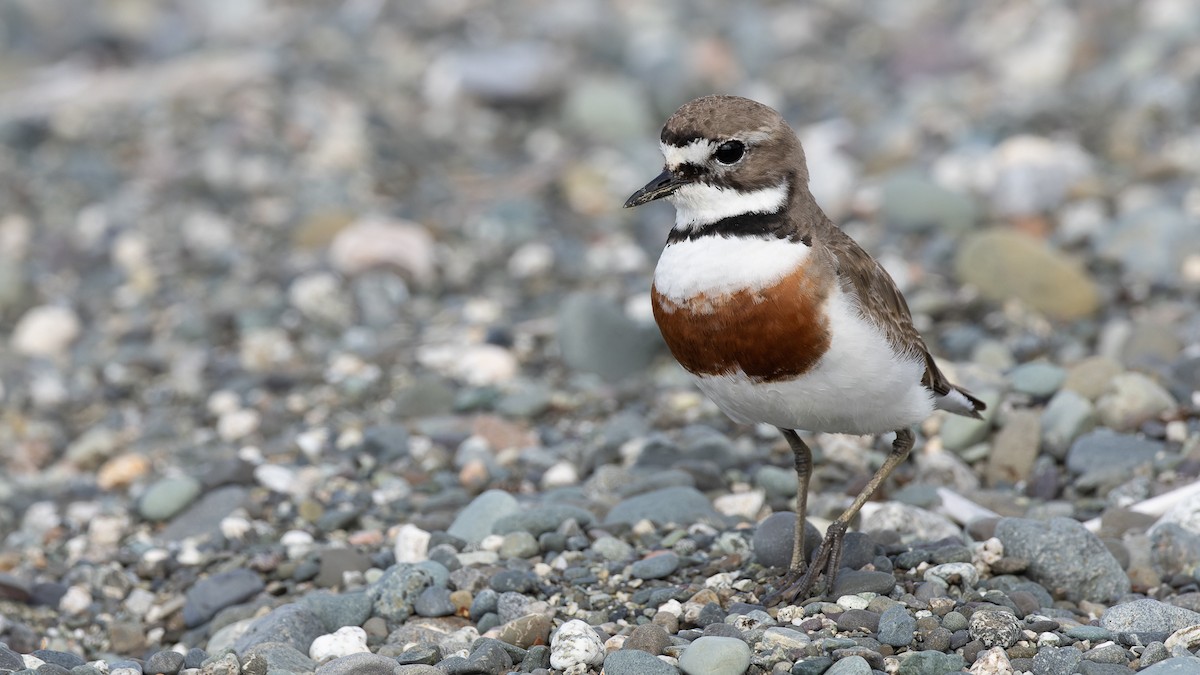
(373, 243)
(743, 504)
(576, 644)
(951, 572)
(342, 642)
(853, 602)
(274, 477)
(31, 662)
(75, 601)
(46, 330)
(298, 543)
(412, 544)
(562, 474)
(319, 297)
(491, 543)
(238, 424)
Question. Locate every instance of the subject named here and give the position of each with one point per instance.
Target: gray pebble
(853, 582)
(812, 666)
(1090, 633)
(280, 656)
(994, 628)
(1057, 551)
(1056, 660)
(712, 655)
(339, 609)
(611, 548)
(1178, 665)
(1038, 379)
(164, 662)
(360, 664)
(291, 624)
(433, 602)
(519, 545)
(218, 591)
(930, 663)
(673, 505)
(896, 626)
(596, 336)
(167, 497)
(59, 658)
(851, 665)
(476, 520)
(636, 662)
(544, 518)
(516, 581)
(1147, 616)
(656, 566)
(396, 591)
(1111, 451)
(774, 536)
(1066, 417)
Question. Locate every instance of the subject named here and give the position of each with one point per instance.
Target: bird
(778, 315)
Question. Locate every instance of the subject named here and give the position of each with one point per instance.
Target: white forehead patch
(700, 204)
(696, 152)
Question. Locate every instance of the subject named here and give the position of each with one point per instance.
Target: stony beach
(326, 347)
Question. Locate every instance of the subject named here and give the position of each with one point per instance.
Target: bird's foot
(800, 583)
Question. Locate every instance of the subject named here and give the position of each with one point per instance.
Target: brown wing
(882, 303)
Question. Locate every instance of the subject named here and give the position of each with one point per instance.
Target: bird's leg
(829, 555)
(803, 460)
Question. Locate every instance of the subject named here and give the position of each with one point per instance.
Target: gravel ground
(327, 344)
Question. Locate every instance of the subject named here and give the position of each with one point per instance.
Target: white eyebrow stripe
(696, 152)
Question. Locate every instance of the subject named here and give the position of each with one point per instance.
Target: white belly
(858, 386)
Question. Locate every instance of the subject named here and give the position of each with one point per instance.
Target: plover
(779, 316)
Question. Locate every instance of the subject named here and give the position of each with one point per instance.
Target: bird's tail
(960, 402)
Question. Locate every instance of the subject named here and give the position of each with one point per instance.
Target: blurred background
(334, 236)
(315, 270)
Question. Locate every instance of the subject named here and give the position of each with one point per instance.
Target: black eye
(730, 152)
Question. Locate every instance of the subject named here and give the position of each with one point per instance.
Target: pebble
(596, 336)
(371, 242)
(167, 497)
(1090, 377)
(1009, 265)
(1014, 449)
(291, 624)
(545, 518)
(657, 566)
(995, 628)
(477, 519)
(930, 663)
(635, 662)
(218, 591)
(1147, 616)
(673, 505)
(910, 201)
(851, 665)
(46, 331)
(574, 644)
(1178, 665)
(1057, 549)
(364, 664)
(1065, 418)
(1110, 451)
(1133, 399)
(774, 537)
(896, 626)
(1055, 660)
(1038, 379)
(712, 655)
(526, 631)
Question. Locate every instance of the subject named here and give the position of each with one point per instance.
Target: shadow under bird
(779, 316)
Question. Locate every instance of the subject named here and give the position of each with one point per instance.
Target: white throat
(700, 204)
